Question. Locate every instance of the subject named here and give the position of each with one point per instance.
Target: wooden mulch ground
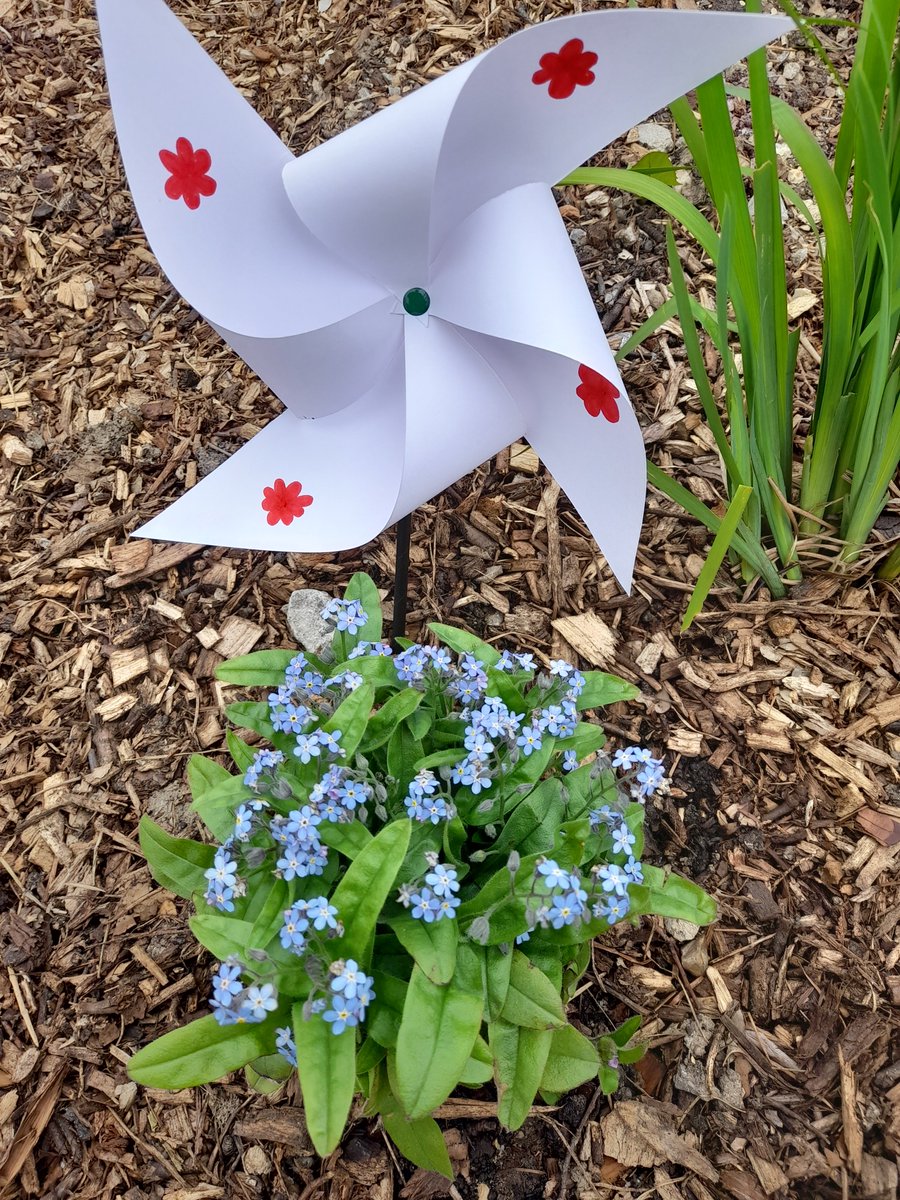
(774, 1069)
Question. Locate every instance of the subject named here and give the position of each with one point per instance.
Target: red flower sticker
(188, 179)
(598, 394)
(566, 70)
(284, 501)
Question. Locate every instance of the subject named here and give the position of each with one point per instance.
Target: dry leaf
(879, 825)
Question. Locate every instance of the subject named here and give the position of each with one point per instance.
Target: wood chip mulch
(773, 1068)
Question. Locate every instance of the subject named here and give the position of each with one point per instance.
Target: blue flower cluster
(285, 1045)
(233, 1003)
(422, 802)
(351, 994)
(347, 615)
(436, 897)
(304, 915)
(647, 773)
(223, 883)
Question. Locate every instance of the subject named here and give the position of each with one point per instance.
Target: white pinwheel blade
(522, 117)
(339, 476)
(228, 237)
(582, 426)
(509, 271)
(322, 371)
(458, 412)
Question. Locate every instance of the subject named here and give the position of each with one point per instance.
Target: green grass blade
(716, 555)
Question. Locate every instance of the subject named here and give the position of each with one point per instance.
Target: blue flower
(243, 822)
(286, 1046)
(603, 816)
(329, 741)
(613, 879)
(257, 1002)
(442, 880)
(521, 938)
(223, 872)
(348, 680)
(505, 662)
(633, 870)
(301, 824)
(525, 662)
(219, 896)
(322, 914)
(650, 779)
(341, 1016)
(530, 740)
(570, 760)
(623, 840)
(295, 668)
(411, 663)
(426, 906)
(564, 910)
(477, 742)
(294, 928)
(611, 908)
(415, 807)
(353, 792)
(292, 719)
(447, 906)
(226, 982)
(555, 876)
(560, 668)
(347, 615)
(425, 782)
(348, 979)
(441, 659)
(263, 760)
(308, 747)
(622, 759)
(576, 683)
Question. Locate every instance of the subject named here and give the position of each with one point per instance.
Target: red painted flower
(598, 394)
(284, 501)
(568, 69)
(188, 173)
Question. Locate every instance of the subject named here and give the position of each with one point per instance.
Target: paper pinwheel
(407, 289)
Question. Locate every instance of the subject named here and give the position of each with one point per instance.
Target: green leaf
(533, 824)
(242, 754)
(175, 863)
(520, 1058)
(349, 839)
(609, 1079)
(466, 643)
(572, 1061)
(327, 1070)
(351, 718)
(432, 945)
(270, 916)
(497, 971)
(383, 722)
(669, 895)
(202, 1052)
(532, 1000)
(386, 1011)
(404, 752)
(267, 1075)
(362, 588)
(204, 774)
(437, 1033)
(601, 689)
(420, 1141)
(265, 668)
(222, 935)
(360, 895)
(626, 1031)
(480, 1067)
(659, 165)
(715, 557)
(251, 714)
(215, 807)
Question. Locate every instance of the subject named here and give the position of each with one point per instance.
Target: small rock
(791, 70)
(681, 931)
(695, 957)
(304, 620)
(256, 1161)
(654, 137)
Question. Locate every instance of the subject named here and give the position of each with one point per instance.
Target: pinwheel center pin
(416, 302)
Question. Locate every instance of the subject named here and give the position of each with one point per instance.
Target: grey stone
(305, 622)
(654, 137)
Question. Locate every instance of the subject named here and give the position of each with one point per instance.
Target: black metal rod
(401, 579)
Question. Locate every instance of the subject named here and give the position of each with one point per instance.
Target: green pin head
(416, 302)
